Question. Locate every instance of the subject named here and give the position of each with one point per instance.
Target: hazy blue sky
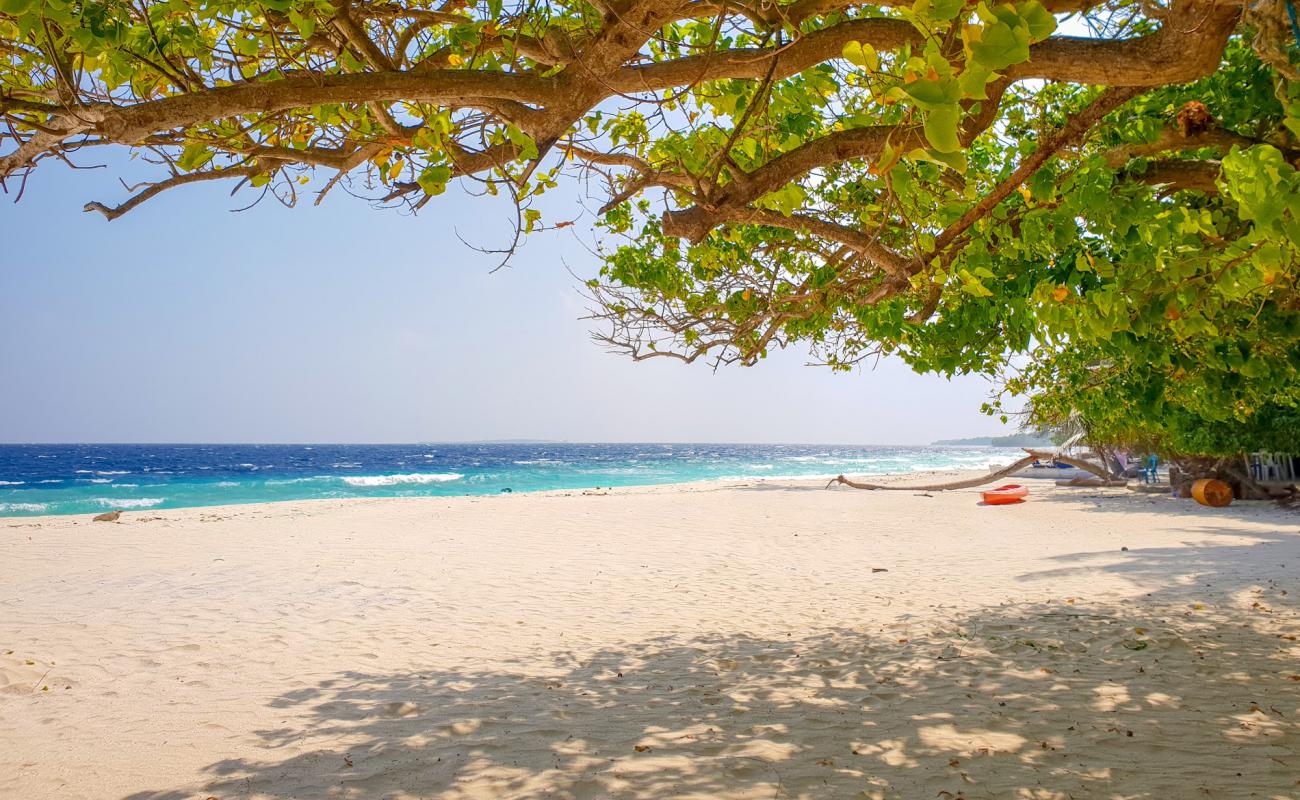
(184, 322)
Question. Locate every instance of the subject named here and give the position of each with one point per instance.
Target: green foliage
(860, 200)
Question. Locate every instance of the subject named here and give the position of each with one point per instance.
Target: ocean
(93, 478)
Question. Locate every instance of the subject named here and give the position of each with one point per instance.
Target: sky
(184, 322)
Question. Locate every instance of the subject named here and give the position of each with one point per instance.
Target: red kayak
(1005, 495)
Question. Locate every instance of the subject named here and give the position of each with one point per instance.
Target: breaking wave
(135, 502)
(394, 480)
(37, 507)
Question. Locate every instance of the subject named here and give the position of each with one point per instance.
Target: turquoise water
(79, 479)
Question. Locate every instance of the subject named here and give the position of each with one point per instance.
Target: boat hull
(1005, 495)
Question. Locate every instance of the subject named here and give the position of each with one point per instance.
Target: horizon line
(476, 441)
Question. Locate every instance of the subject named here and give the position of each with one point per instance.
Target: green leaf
(16, 7)
(1040, 21)
(787, 200)
(973, 79)
(433, 180)
(1255, 368)
(527, 147)
(944, 10)
(1002, 41)
(306, 25)
(245, 45)
(864, 55)
(955, 160)
(930, 94)
(941, 128)
(194, 156)
(889, 156)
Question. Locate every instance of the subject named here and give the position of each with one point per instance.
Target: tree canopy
(1111, 186)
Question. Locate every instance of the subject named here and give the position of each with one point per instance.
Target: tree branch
(172, 182)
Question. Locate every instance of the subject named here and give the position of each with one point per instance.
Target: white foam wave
(112, 472)
(227, 484)
(393, 480)
(12, 483)
(51, 480)
(101, 480)
(807, 476)
(23, 507)
(134, 502)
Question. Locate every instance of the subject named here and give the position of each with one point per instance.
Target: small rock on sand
(109, 516)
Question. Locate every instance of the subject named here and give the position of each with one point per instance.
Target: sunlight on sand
(706, 642)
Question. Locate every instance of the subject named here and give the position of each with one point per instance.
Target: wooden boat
(1005, 495)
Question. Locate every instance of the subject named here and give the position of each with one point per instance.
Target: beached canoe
(1005, 495)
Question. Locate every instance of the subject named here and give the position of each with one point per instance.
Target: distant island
(1014, 440)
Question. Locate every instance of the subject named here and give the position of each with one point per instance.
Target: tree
(952, 181)
(1130, 405)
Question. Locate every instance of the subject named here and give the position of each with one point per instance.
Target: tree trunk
(980, 480)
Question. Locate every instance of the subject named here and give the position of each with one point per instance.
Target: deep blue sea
(79, 479)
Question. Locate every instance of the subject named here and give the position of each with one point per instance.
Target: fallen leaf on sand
(641, 748)
(879, 569)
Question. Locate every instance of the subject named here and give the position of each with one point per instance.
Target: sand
(720, 641)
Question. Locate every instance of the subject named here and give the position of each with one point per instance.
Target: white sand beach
(712, 640)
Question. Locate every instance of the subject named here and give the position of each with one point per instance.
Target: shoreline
(702, 640)
(802, 481)
(58, 480)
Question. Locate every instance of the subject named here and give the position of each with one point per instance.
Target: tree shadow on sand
(1045, 701)
(1211, 556)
